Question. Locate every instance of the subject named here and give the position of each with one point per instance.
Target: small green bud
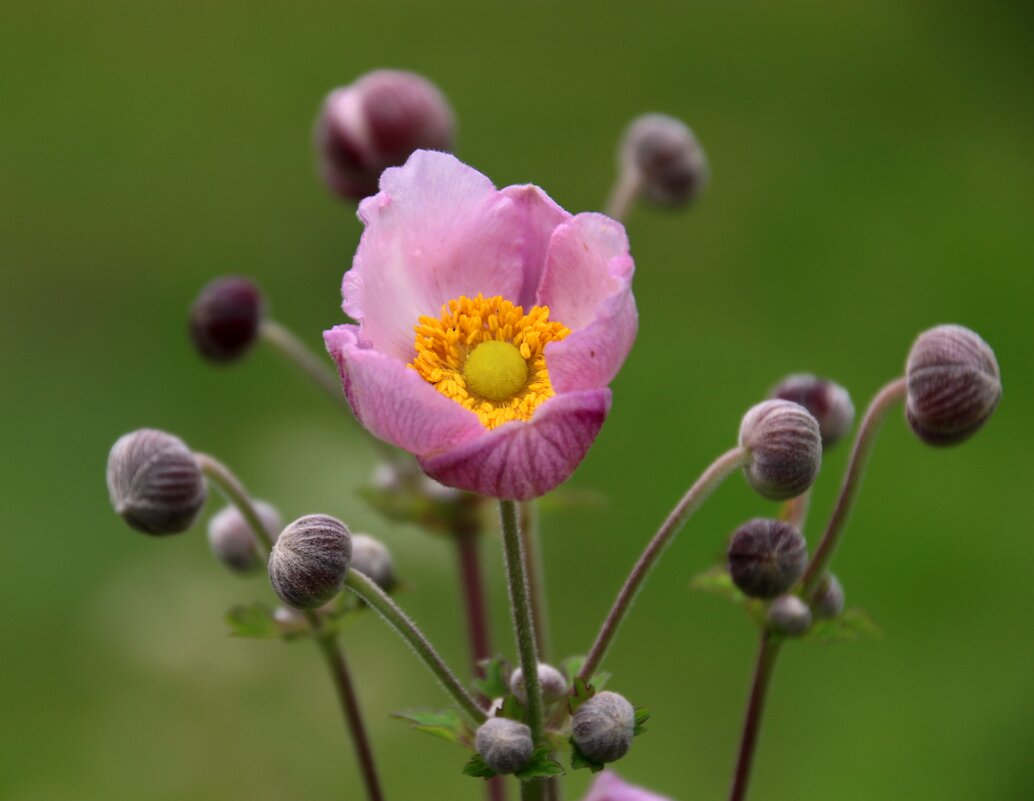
(504, 744)
(603, 727)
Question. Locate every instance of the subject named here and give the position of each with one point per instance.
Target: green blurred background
(873, 176)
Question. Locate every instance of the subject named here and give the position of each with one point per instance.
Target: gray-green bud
(785, 448)
(372, 558)
(504, 744)
(828, 599)
(554, 685)
(309, 561)
(603, 727)
(154, 482)
(789, 615)
(232, 541)
(766, 557)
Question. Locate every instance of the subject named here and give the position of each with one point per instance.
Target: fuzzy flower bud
(766, 557)
(789, 615)
(554, 685)
(953, 384)
(828, 599)
(376, 123)
(667, 157)
(372, 558)
(504, 744)
(231, 540)
(225, 318)
(785, 448)
(603, 727)
(154, 482)
(310, 560)
(828, 403)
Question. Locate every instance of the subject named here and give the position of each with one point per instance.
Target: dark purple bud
(828, 599)
(603, 727)
(154, 482)
(225, 318)
(785, 448)
(828, 403)
(953, 384)
(766, 557)
(310, 560)
(372, 558)
(552, 681)
(375, 123)
(667, 157)
(231, 540)
(789, 615)
(504, 744)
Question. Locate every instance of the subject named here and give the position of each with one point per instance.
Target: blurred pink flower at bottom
(609, 787)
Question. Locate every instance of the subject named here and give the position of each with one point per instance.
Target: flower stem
(472, 587)
(752, 721)
(398, 620)
(524, 626)
(235, 492)
(335, 657)
(864, 440)
(690, 502)
(795, 510)
(533, 566)
(624, 193)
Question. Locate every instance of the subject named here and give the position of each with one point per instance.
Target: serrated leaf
(580, 760)
(511, 708)
(495, 682)
(573, 665)
(541, 766)
(255, 621)
(443, 723)
(581, 693)
(641, 716)
(852, 624)
(476, 767)
(717, 581)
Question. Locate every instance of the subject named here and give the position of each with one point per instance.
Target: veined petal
(539, 216)
(435, 231)
(609, 787)
(524, 460)
(393, 401)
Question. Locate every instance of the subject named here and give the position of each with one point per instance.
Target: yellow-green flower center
(495, 370)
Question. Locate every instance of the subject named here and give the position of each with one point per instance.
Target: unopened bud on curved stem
(232, 541)
(309, 561)
(766, 557)
(828, 402)
(504, 744)
(603, 727)
(225, 318)
(785, 448)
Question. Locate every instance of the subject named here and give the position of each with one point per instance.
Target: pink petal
(524, 460)
(609, 787)
(435, 231)
(394, 402)
(588, 287)
(540, 216)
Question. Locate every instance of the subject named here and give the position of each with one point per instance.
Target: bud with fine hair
(766, 557)
(953, 384)
(504, 744)
(552, 681)
(309, 561)
(667, 158)
(154, 482)
(785, 448)
(603, 727)
(789, 615)
(828, 598)
(372, 558)
(375, 123)
(225, 318)
(232, 541)
(828, 403)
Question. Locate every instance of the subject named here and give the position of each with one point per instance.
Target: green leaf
(511, 708)
(476, 767)
(573, 665)
(717, 581)
(495, 683)
(255, 621)
(444, 723)
(852, 624)
(582, 692)
(641, 716)
(541, 766)
(580, 760)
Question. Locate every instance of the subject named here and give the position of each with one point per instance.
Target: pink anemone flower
(490, 323)
(609, 787)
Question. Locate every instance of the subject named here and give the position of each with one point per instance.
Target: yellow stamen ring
(488, 356)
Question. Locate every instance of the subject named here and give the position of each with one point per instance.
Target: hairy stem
(885, 399)
(690, 502)
(535, 569)
(407, 629)
(624, 192)
(472, 587)
(236, 494)
(767, 654)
